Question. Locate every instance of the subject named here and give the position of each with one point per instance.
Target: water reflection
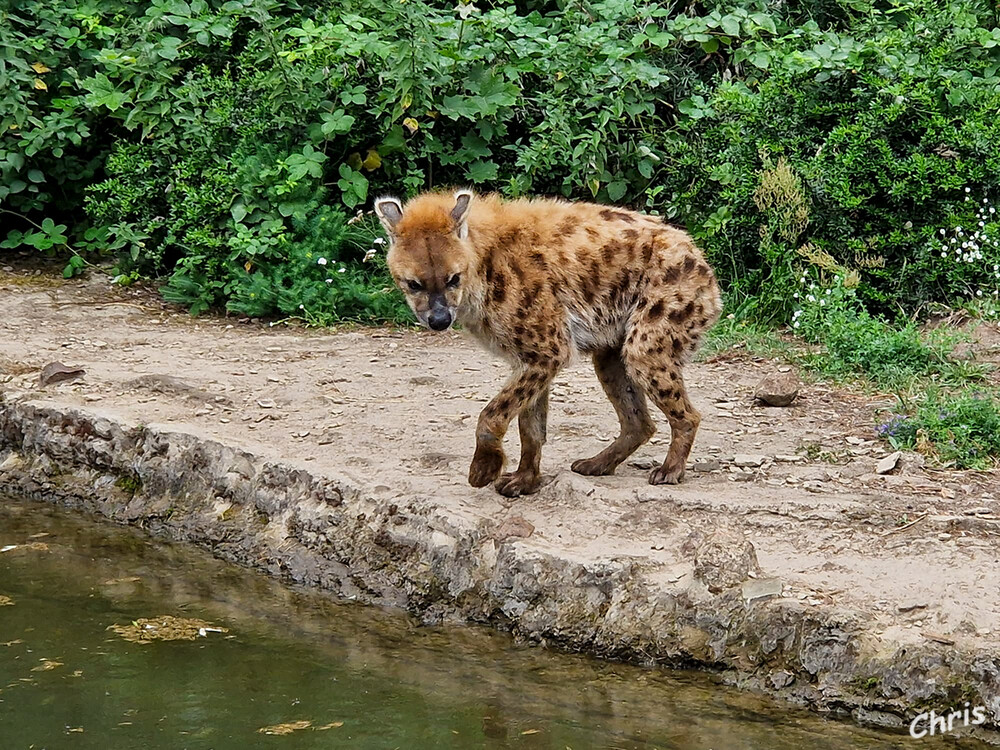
(374, 679)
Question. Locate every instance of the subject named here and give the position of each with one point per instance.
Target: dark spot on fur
(677, 414)
(641, 305)
(629, 234)
(592, 233)
(497, 287)
(608, 215)
(682, 313)
(610, 250)
(656, 311)
(674, 376)
(689, 264)
(678, 346)
(515, 268)
(539, 260)
(529, 294)
(566, 228)
(671, 275)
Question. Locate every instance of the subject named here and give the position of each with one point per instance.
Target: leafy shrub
(960, 430)
(203, 135)
(884, 114)
(856, 343)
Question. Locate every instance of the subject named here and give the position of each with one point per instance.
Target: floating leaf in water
(165, 628)
(5, 601)
(331, 725)
(530, 731)
(47, 665)
(286, 728)
(8, 548)
(127, 579)
(12, 643)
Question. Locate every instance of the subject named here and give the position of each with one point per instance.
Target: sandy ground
(916, 553)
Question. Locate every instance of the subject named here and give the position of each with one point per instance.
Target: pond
(294, 669)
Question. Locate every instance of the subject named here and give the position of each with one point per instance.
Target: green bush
(855, 343)
(959, 430)
(205, 135)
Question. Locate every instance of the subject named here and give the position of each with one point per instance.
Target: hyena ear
(460, 213)
(389, 211)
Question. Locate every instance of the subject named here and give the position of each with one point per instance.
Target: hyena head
(430, 257)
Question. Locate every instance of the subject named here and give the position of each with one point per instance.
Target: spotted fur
(535, 280)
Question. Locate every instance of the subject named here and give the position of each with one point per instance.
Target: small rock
(888, 464)
(706, 465)
(761, 588)
(782, 679)
(266, 404)
(789, 459)
(57, 372)
(778, 389)
(644, 463)
(944, 536)
(746, 461)
(724, 560)
(910, 606)
(516, 526)
(979, 511)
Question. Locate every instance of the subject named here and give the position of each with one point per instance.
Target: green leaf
(35, 175)
(617, 189)
(481, 171)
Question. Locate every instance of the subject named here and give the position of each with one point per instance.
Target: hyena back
(535, 279)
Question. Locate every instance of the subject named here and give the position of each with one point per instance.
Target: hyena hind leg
(630, 404)
(661, 379)
(531, 424)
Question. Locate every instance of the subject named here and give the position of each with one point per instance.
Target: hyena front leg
(520, 391)
(531, 423)
(633, 417)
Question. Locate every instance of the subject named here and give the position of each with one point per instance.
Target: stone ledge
(326, 532)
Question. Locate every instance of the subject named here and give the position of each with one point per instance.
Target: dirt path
(915, 555)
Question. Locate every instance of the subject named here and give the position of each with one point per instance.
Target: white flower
(828, 291)
(370, 254)
(795, 324)
(302, 307)
(979, 292)
(992, 210)
(942, 232)
(811, 298)
(985, 200)
(379, 240)
(796, 295)
(822, 302)
(968, 190)
(342, 270)
(329, 281)
(321, 261)
(944, 255)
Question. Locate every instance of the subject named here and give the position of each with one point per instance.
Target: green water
(298, 656)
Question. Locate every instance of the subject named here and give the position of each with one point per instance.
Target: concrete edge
(325, 532)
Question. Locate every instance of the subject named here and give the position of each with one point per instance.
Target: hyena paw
(662, 475)
(517, 483)
(592, 467)
(487, 463)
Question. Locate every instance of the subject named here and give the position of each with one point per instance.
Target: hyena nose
(439, 319)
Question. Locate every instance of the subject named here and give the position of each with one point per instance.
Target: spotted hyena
(535, 279)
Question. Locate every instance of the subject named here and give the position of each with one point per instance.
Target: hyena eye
(453, 281)
(415, 286)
